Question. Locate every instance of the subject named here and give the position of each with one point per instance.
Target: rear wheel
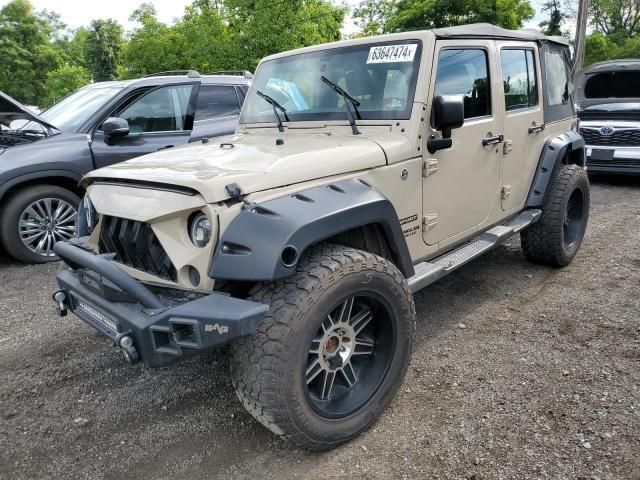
(34, 219)
(555, 238)
(332, 351)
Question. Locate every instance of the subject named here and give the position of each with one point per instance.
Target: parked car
(42, 157)
(608, 95)
(361, 172)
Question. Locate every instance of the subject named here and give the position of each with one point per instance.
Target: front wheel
(332, 351)
(555, 238)
(34, 219)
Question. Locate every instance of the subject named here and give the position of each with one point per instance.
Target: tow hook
(59, 297)
(125, 342)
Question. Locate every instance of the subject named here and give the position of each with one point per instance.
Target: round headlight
(200, 230)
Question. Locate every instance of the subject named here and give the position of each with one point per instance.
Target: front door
(158, 119)
(524, 120)
(462, 183)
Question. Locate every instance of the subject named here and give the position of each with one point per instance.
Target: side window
(557, 73)
(519, 79)
(161, 110)
(465, 72)
(216, 101)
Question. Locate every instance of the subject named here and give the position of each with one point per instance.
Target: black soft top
(486, 30)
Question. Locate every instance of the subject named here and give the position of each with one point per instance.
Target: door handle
(492, 140)
(536, 128)
(165, 147)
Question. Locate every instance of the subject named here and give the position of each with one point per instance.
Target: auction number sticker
(392, 53)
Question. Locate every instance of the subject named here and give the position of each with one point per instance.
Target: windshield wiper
(276, 106)
(347, 99)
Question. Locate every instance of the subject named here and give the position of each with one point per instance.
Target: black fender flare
(264, 242)
(569, 145)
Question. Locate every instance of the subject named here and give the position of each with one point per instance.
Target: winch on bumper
(155, 328)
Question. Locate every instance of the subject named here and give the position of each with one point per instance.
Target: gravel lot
(519, 371)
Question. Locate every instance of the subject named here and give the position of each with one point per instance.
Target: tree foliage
(103, 45)
(617, 30)
(27, 53)
(63, 81)
(377, 16)
(557, 17)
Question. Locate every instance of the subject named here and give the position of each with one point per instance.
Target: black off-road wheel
(555, 239)
(332, 351)
(34, 219)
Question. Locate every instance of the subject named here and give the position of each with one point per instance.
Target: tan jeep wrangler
(360, 172)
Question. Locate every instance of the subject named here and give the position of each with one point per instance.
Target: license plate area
(602, 154)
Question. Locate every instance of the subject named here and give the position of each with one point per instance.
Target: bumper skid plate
(155, 328)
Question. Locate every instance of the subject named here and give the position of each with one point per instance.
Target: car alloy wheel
(349, 356)
(45, 222)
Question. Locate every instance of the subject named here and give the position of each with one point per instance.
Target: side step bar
(436, 268)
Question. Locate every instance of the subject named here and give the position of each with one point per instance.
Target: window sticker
(392, 53)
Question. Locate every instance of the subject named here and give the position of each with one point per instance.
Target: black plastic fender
(265, 241)
(555, 150)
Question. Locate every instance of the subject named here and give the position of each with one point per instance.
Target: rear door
(217, 111)
(159, 118)
(463, 188)
(523, 120)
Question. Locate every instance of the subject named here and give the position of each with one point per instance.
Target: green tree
(262, 27)
(103, 45)
(371, 16)
(557, 17)
(424, 14)
(26, 51)
(153, 46)
(615, 16)
(71, 46)
(64, 80)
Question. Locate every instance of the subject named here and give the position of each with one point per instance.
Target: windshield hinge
(429, 167)
(430, 221)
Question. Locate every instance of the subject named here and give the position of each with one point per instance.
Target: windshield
(77, 108)
(381, 77)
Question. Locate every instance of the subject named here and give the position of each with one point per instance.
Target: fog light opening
(194, 275)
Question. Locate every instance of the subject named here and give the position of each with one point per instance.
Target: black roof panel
(486, 30)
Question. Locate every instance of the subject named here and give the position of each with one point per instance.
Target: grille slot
(616, 162)
(135, 245)
(619, 138)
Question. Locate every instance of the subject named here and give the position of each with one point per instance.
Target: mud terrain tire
(555, 239)
(311, 317)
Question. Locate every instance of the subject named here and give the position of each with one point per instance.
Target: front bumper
(156, 327)
(620, 160)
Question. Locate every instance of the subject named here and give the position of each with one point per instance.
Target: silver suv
(609, 102)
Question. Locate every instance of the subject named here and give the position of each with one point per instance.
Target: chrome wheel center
(45, 222)
(332, 352)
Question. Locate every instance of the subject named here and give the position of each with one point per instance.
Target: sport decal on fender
(392, 53)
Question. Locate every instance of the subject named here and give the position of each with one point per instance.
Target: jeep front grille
(135, 245)
(619, 138)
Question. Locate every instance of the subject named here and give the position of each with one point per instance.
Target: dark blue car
(42, 157)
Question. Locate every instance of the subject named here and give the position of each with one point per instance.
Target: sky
(76, 13)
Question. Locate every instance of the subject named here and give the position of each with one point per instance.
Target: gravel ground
(519, 371)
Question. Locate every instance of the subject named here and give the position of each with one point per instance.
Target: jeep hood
(11, 109)
(252, 161)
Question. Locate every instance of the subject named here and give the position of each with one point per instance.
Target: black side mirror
(448, 113)
(115, 127)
